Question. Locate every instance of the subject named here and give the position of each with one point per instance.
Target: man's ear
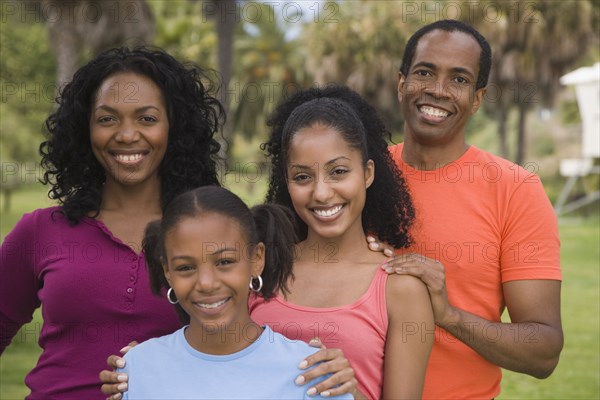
(401, 80)
(478, 99)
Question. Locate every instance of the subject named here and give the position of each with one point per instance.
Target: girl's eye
(339, 171)
(184, 268)
(225, 261)
(148, 118)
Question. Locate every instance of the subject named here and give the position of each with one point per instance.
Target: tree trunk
(523, 109)
(502, 117)
(64, 41)
(225, 22)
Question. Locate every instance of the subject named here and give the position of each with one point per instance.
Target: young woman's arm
(410, 336)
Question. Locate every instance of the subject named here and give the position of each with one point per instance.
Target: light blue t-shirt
(169, 368)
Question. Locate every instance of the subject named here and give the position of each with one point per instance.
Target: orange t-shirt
(488, 221)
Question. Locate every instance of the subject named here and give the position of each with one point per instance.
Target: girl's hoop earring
(169, 292)
(260, 284)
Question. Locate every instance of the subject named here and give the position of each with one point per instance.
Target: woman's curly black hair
(388, 212)
(194, 118)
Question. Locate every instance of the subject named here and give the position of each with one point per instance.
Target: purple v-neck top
(95, 298)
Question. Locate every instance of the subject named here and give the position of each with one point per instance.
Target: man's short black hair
(451, 25)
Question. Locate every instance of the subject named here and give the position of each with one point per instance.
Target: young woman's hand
(376, 245)
(330, 361)
(115, 383)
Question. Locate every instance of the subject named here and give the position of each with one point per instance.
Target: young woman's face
(327, 181)
(129, 128)
(209, 266)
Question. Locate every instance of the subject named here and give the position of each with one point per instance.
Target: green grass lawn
(576, 377)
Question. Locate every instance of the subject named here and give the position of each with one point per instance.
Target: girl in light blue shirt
(209, 250)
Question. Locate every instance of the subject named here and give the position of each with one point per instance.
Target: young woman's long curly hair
(388, 212)
(76, 177)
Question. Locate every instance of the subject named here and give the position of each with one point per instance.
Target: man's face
(438, 94)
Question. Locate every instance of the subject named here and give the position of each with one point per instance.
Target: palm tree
(269, 67)
(94, 26)
(361, 45)
(533, 44)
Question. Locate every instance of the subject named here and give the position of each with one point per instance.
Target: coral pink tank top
(359, 329)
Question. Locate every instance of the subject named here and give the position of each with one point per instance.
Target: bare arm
(409, 338)
(332, 361)
(531, 343)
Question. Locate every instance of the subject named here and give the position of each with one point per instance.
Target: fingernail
(120, 363)
(370, 239)
(388, 252)
(117, 396)
(122, 377)
(125, 349)
(299, 380)
(312, 391)
(121, 387)
(325, 393)
(303, 364)
(374, 245)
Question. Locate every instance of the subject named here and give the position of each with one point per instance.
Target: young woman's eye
(339, 171)
(300, 178)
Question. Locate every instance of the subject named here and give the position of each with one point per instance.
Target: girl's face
(208, 265)
(327, 181)
(129, 128)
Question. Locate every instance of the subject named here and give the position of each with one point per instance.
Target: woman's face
(327, 181)
(129, 128)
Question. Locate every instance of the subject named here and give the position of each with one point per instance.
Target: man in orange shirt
(485, 236)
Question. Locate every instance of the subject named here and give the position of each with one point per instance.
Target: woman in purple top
(133, 129)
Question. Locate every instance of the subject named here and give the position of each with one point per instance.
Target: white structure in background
(587, 89)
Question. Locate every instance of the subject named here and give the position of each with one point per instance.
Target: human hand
(376, 245)
(115, 383)
(330, 361)
(432, 274)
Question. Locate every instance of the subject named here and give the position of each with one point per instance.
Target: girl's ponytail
(275, 228)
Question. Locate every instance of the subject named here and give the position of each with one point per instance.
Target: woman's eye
(183, 268)
(105, 119)
(301, 177)
(148, 119)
